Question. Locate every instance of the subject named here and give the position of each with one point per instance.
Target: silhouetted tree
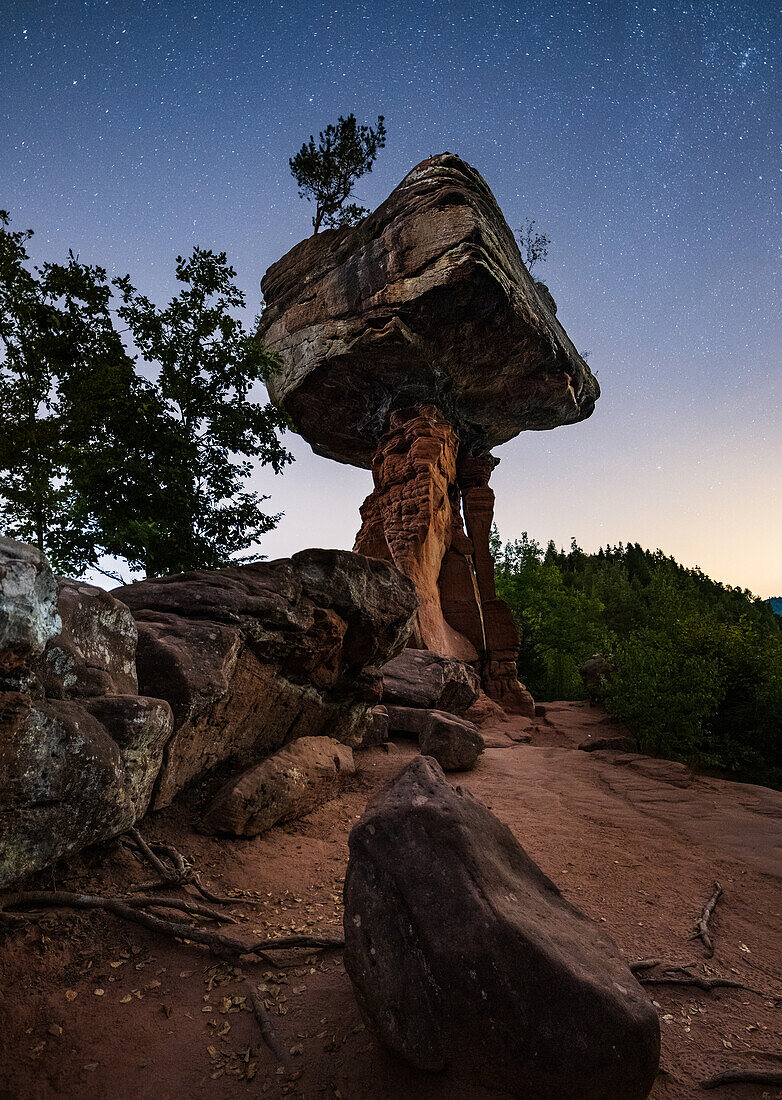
(534, 245)
(326, 172)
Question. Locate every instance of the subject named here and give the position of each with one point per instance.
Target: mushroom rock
(411, 344)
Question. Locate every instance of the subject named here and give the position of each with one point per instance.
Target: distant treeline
(695, 666)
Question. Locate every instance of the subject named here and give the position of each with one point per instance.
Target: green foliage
(98, 459)
(326, 172)
(696, 666)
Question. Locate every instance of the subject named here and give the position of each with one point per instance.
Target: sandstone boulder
(463, 954)
(454, 742)
(28, 610)
(79, 750)
(254, 656)
(419, 678)
(426, 301)
(287, 785)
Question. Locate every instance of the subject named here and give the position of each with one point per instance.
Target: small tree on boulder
(326, 172)
(534, 245)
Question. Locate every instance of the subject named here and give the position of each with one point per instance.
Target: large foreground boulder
(419, 678)
(254, 656)
(79, 749)
(463, 954)
(287, 785)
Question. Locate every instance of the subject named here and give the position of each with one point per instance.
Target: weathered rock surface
(254, 656)
(615, 744)
(454, 742)
(419, 678)
(410, 516)
(413, 343)
(426, 301)
(28, 610)
(79, 749)
(376, 728)
(95, 651)
(594, 673)
(287, 785)
(462, 953)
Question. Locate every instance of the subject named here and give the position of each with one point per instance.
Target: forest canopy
(695, 666)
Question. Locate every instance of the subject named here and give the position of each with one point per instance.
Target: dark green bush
(696, 666)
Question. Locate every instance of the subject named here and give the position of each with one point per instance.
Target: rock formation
(412, 344)
(234, 664)
(286, 785)
(463, 954)
(79, 749)
(254, 656)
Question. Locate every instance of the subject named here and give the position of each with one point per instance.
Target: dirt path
(93, 1008)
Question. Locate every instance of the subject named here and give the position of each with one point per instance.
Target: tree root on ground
(135, 908)
(676, 974)
(176, 873)
(741, 1076)
(702, 927)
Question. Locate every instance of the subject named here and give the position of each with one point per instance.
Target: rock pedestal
(425, 492)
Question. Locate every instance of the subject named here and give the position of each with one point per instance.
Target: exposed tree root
(263, 1019)
(741, 1076)
(176, 873)
(675, 974)
(219, 943)
(702, 927)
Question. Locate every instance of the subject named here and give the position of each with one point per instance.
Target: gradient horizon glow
(640, 137)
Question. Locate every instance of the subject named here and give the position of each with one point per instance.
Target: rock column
(501, 636)
(410, 516)
(425, 490)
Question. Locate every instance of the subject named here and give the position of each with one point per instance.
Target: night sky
(642, 137)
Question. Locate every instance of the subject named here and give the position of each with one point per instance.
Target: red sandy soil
(93, 1007)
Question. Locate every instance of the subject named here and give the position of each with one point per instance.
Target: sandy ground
(91, 1007)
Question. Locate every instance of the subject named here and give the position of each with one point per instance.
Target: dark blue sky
(643, 138)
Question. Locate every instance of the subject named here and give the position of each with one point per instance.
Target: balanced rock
(420, 678)
(287, 785)
(463, 954)
(79, 749)
(413, 343)
(425, 302)
(454, 742)
(254, 656)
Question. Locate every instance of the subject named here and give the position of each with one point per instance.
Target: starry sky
(643, 137)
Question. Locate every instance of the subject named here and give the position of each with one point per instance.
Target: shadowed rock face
(79, 748)
(254, 656)
(426, 301)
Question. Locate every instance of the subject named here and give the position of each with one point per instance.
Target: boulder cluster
(113, 703)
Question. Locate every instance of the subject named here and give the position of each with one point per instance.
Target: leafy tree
(534, 245)
(202, 425)
(326, 172)
(54, 325)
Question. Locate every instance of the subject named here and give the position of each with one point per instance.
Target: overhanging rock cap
(425, 301)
